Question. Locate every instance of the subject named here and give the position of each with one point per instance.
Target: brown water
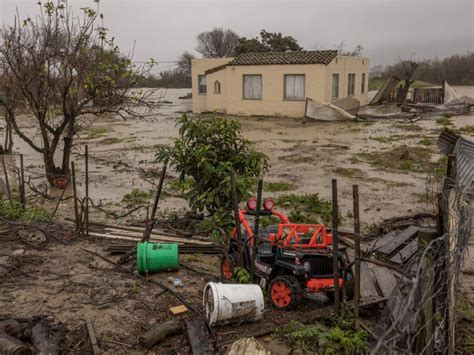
(307, 154)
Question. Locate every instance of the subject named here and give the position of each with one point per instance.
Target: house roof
(277, 58)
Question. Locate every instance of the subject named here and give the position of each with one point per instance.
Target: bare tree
(217, 43)
(184, 62)
(355, 52)
(66, 69)
(406, 70)
(9, 102)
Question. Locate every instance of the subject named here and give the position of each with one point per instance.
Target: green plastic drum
(154, 257)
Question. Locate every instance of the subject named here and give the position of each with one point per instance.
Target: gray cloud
(386, 28)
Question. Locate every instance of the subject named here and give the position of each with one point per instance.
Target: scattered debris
(175, 281)
(178, 309)
(247, 346)
(92, 338)
(160, 332)
(197, 337)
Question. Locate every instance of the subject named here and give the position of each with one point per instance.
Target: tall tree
(184, 62)
(268, 42)
(66, 69)
(217, 43)
(9, 103)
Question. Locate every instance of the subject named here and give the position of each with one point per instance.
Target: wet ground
(307, 155)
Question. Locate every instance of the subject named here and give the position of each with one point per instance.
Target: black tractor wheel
(227, 268)
(285, 292)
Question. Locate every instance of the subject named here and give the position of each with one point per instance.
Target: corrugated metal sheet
(463, 150)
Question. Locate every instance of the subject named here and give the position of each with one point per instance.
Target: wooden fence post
(22, 182)
(86, 209)
(335, 242)
(74, 191)
(7, 182)
(355, 195)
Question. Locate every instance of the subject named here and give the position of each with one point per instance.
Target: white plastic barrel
(232, 303)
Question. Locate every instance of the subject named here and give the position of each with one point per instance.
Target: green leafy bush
(341, 338)
(242, 275)
(207, 150)
(137, 197)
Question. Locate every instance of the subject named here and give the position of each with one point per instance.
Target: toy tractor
(293, 260)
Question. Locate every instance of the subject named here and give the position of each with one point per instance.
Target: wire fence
(421, 311)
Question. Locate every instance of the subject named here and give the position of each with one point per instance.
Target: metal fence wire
(420, 314)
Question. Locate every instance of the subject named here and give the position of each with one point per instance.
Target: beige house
(276, 84)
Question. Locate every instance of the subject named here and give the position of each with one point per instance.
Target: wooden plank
(398, 241)
(377, 243)
(197, 337)
(367, 287)
(385, 279)
(406, 253)
(156, 239)
(93, 339)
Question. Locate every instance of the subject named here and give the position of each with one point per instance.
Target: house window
(351, 84)
(294, 87)
(362, 86)
(217, 87)
(252, 86)
(202, 84)
(335, 86)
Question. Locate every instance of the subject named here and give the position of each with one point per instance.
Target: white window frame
(199, 85)
(244, 97)
(351, 84)
(285, 98)
(334, 75)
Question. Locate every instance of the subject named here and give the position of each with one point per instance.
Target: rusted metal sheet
(384, 93)
(463, 149)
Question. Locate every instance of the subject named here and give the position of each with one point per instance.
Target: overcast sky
(386, 28)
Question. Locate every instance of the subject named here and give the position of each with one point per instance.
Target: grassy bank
(376, 83)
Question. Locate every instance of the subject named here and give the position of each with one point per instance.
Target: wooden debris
(377, 243)
(179, 309)
(47, 337)
(160, 332)
(399, 240)
(247, 346)
(10, 345)
(197, 337)
(406, 253)
(93, 339)
(367, 286)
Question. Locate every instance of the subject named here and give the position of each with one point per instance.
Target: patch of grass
(408, 126)
(402, 158)
(384, 139)
(445, 121)
(442, 166)
(426, 141)
(266, 221)
(351, 173)
(279, 186)
(111, 140)
(137, 197)
(17, 212)
(308, 208)
(341, 338)
(467, 129)
(96, 132)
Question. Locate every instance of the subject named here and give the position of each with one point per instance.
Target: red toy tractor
(294, 260)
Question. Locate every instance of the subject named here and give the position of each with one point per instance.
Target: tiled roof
(303, 57)
(276, 58)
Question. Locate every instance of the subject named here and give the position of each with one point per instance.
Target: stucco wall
(198, 67)
(345, 65)
(318, 86)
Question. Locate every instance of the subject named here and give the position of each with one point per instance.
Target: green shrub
(17, 212)
(137, 197)
(278, 186)
(308, 208)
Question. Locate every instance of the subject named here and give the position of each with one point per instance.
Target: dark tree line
(457, 69)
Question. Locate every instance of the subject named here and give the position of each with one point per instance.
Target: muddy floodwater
(307, 155)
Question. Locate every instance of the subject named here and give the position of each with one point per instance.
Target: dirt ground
(71, 285)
